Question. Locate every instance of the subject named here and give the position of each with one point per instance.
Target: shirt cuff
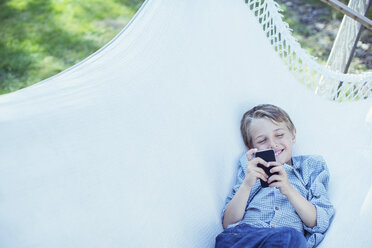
(322, 221)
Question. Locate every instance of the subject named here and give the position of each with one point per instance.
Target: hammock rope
(322, 81)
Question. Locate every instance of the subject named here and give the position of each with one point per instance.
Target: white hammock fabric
(137, 146)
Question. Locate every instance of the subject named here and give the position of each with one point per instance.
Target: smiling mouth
(278, 152)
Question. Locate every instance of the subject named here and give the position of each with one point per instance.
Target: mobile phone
(268, 156)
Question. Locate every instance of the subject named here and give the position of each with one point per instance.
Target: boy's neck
(290, 162)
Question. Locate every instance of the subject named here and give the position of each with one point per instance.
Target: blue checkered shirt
(267, 207)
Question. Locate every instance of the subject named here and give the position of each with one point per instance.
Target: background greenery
(315, 25)
(39, 38)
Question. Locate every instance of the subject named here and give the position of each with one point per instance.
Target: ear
(294, 136)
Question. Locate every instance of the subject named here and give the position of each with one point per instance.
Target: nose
(272, 144)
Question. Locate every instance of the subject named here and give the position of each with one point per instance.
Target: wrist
(290, 191)
(247, 183)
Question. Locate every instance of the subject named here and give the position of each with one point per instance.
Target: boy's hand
(280, 180)
(253, 171)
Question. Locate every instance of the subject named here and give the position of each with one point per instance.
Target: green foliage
(39, 38)
(315, 25)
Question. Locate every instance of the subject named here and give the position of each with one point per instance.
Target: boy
(294, 211)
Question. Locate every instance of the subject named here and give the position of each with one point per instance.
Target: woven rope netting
(330, 84)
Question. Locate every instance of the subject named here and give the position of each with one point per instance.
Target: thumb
(250, 153)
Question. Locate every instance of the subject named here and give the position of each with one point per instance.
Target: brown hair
(268, 111)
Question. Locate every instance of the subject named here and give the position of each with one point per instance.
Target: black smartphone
(268, 156)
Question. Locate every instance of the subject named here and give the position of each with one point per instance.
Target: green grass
(39, 38)
(318, 43)
(303, 32)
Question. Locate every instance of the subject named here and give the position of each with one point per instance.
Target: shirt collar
(295, 163)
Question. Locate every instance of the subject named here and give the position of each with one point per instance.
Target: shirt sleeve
(239, 180)
(318, 196)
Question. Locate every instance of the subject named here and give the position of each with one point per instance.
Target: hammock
(137, 145)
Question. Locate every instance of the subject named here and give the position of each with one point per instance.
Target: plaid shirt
(267, 207)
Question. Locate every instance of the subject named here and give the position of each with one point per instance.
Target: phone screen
(268, 156)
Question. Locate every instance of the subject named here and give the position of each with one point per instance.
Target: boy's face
(269, 135)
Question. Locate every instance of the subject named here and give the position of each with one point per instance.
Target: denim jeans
(246, 236)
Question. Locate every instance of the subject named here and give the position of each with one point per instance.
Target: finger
(261, 171)
(257, 161)
(274, 178)
(274, 185)
(260, 176)
(278, 169)
(250, 153)
(274, 164)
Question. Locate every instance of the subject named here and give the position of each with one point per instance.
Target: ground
(315, 26)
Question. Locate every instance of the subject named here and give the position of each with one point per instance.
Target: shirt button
(276, 208)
